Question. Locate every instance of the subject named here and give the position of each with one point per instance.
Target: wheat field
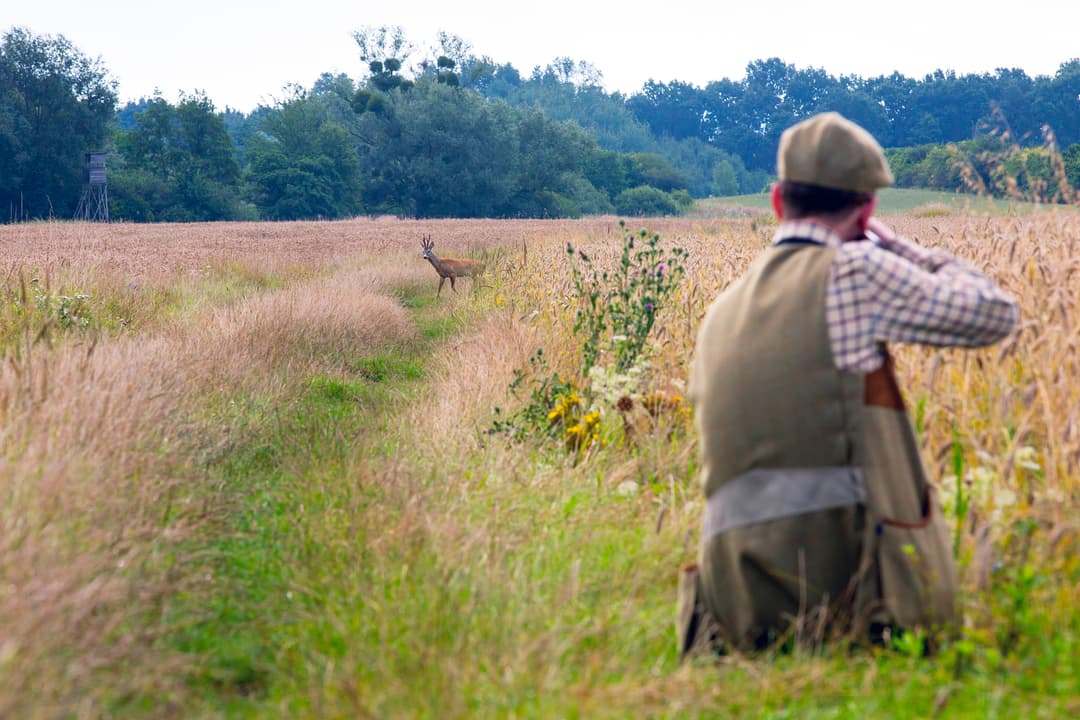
(275, 431)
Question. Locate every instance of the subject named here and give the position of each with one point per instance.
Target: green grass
(293, 484)
(890, 201)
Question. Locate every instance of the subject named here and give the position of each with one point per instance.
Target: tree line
(463, 136)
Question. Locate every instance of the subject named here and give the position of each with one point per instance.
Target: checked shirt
(896, 291)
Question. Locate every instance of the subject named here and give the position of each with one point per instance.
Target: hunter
(819, 517)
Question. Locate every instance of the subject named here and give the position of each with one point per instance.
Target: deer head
(428, 244)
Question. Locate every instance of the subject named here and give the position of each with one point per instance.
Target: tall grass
(583, 562)
(271, 492)
(103, 430)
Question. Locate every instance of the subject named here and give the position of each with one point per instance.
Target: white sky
(243, 53)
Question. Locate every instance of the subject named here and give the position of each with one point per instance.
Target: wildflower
(564, 405)
(1027, 457)
(575, 436)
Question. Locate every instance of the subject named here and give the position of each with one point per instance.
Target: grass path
(294, 486)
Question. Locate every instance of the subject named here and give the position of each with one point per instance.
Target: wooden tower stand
(94, 203)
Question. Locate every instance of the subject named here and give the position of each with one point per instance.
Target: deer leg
(441, 281)
(452, 284)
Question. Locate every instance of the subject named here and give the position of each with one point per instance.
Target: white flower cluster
(608, 385)
(985, 488)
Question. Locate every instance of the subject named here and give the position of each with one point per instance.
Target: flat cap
(831, 151)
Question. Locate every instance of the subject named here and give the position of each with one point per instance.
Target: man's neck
(846, 228)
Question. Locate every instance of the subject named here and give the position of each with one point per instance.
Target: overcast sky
(243, 53)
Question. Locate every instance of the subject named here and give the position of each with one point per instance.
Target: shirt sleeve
(926, 258)
(929, 297)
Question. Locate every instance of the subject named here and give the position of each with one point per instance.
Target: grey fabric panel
(761, 495)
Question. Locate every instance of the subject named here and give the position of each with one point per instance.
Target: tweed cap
(831, 151)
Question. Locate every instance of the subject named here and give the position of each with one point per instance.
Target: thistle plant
(615, 313)
(617, 309)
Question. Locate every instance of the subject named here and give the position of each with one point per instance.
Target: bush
(683, 199)
(645, 200)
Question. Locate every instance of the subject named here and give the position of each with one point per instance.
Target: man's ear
(865, 213)
(777, 201)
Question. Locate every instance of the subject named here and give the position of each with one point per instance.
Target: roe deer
(449, 267)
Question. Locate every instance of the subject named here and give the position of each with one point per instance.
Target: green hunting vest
(819, 518)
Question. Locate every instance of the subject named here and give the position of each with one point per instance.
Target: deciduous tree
(55, 106)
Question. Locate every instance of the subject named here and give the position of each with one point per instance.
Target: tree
(438, 151)
(55, 106)
(724, 179)
(550, 179)
(385, 50)
(178, 164)
(303, 165)
(453, 53)
(1071, 157)
(1011, 92)
(674, 109)
(655, 171)
(1057, 102)
(609, 171)
(441, 151)
(204, 140)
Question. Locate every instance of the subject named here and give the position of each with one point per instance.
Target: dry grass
(100, 429)
(319, 324)
(1012, 408)
(1029, 384)
(466, 380)
(932, 210)
(84, 491)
